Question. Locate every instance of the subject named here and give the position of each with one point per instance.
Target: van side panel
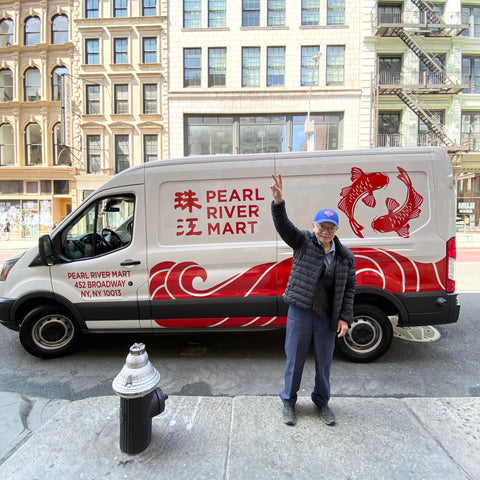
(212, 252)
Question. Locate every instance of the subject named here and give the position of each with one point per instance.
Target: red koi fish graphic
(363, 186)
(397, 218)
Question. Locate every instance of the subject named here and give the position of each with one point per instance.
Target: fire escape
(435, 81)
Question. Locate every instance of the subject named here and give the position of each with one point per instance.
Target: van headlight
(8, 265)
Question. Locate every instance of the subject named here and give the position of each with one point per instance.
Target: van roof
(135, 174)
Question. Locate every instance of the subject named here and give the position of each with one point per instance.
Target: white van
(189, 244)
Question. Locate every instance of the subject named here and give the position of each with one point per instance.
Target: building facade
(120, 110)
(36, 172)
(91, 87)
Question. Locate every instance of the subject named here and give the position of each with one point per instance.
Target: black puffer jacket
(308, 257)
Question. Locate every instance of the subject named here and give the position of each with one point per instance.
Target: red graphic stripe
(222, 322)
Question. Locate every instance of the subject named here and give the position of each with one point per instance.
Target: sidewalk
(244, 438)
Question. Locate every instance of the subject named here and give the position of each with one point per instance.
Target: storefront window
(257, 134)
(262, 134)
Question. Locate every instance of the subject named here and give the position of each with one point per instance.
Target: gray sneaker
(289, 416)
(327, 415)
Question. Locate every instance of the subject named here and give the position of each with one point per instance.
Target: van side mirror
(46, 251)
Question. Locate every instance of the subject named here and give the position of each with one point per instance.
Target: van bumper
(5, 317)
(429, 308)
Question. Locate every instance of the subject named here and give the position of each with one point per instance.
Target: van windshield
(104, 226)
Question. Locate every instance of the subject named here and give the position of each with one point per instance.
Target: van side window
(105, 226)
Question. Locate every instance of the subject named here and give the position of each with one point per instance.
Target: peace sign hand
(276, 188)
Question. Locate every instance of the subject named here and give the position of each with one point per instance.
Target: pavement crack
(437, 440)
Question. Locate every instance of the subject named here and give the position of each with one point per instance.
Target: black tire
(48, 332)
(369, 335)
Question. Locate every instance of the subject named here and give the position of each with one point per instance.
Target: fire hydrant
(140, 400)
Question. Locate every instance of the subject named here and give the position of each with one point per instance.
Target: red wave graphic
(175, 281)
(374, 267)
(396, 273)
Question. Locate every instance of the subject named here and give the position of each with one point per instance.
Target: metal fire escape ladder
(426, 58)
(432, 18)
(435, 127)
(430, 14)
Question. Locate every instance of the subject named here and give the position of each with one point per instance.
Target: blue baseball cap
(327, 215)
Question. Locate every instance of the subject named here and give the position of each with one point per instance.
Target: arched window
(32, 84)
(61, 153)
(6, 85)
(32, 31)
(57, 74)
(6, 32)
(6, 145)
(33, 144)
(59, 29)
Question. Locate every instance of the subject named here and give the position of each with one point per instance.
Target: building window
(150, 98)
(275, 66)
(149, 8)
(149, 50)
(335, 64)
(426, 137)
(7, 154)
(6, 85)
(32, 31)
(61, 153)
(310, 12)
(217, 14)
(121, 99)
(250, 67)
(217, 58)
(335, 12)
(32, 89)
(91, 8)
(6, 33)
(259, 134)
(120, 8)
(192, 13)
(388, 129)
(92, 56)
(471, 17)
(33, 144)
(276, 13)
(150, 148)
(120, 50)
(471, 74)
(433, 76)
(192, 70)
(122, 161)
(309, 69)
(59, 29)
(250, 13)
(209, 135)
(94, 154)
(57, 82)
(93, 99)
(389, 70)
(389, 13)
(471, 130)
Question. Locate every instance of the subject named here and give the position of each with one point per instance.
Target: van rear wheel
(48, 332)
(368, 337)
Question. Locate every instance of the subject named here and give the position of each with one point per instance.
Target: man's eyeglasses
(325, 228)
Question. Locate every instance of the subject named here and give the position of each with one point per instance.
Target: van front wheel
(369, 335)
(48, 332)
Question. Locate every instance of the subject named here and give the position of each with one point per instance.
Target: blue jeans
(303, 328)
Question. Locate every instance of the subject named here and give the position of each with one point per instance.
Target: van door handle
(130, 263)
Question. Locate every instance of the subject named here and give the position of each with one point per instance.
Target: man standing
(320, 294)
